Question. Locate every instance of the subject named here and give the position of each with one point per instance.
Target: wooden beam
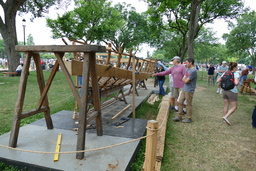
(119, 113)
(162, 119)
(93, 115)
(33, 112)
(60, 48)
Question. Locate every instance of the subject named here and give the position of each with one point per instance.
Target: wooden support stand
(89, 68)
(246, 87)
(151, 143)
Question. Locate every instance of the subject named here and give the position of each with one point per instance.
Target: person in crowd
(177, 71)
(19, 69)
(187, 93)
(230, 96)
(210, 78)
(243, 75)
(221, 69)
(161, 80)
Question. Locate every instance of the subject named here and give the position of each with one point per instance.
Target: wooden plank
(105, 71)
(162, 118)
(19, 102)
(93, 115)
(33, 112)
(119, 113)
(60, 48)
(57, 149)
(9, 73)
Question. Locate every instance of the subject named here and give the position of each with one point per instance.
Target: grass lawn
(205, 144)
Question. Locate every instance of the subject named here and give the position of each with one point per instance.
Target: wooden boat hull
(75, 68)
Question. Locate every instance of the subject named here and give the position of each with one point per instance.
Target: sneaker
(176, 119)
(226, 120)
(218, 91)
(186, 120)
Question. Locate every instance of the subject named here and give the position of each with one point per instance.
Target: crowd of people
(46, 64)
(182, 84)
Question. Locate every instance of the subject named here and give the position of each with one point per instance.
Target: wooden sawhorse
(89, 69)
(246, 87)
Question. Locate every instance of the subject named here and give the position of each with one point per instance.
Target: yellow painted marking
(56, 156)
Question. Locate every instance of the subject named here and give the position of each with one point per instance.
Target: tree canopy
(99, 21)
(242, 38)
(175, 16)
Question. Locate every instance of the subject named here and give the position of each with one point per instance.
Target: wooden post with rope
(151, 142)
(133, 85)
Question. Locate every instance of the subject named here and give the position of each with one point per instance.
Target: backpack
(227, 81)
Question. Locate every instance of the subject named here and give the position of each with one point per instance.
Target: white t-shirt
(170, 81)
(19, 68)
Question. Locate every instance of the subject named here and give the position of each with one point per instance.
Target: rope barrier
(69, 152)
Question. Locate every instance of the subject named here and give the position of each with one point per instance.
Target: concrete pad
(38, 138)
(133, 128)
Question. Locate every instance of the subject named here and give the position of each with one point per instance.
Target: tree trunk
(184, 47)
(13, 57)
(193, 24)
(8, 32)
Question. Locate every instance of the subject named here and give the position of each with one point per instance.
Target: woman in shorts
(230, 96)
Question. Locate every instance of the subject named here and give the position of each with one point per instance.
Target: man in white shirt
(19, 69)
(221, 69)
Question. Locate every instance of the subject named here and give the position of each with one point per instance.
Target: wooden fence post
(151, 143)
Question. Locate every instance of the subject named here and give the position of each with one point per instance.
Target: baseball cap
(224, 62)
(250, 67)
(176, 58)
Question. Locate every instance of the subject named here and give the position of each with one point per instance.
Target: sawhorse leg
(19, 102)
(136, 92)
(44, 89)
(88, 67)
